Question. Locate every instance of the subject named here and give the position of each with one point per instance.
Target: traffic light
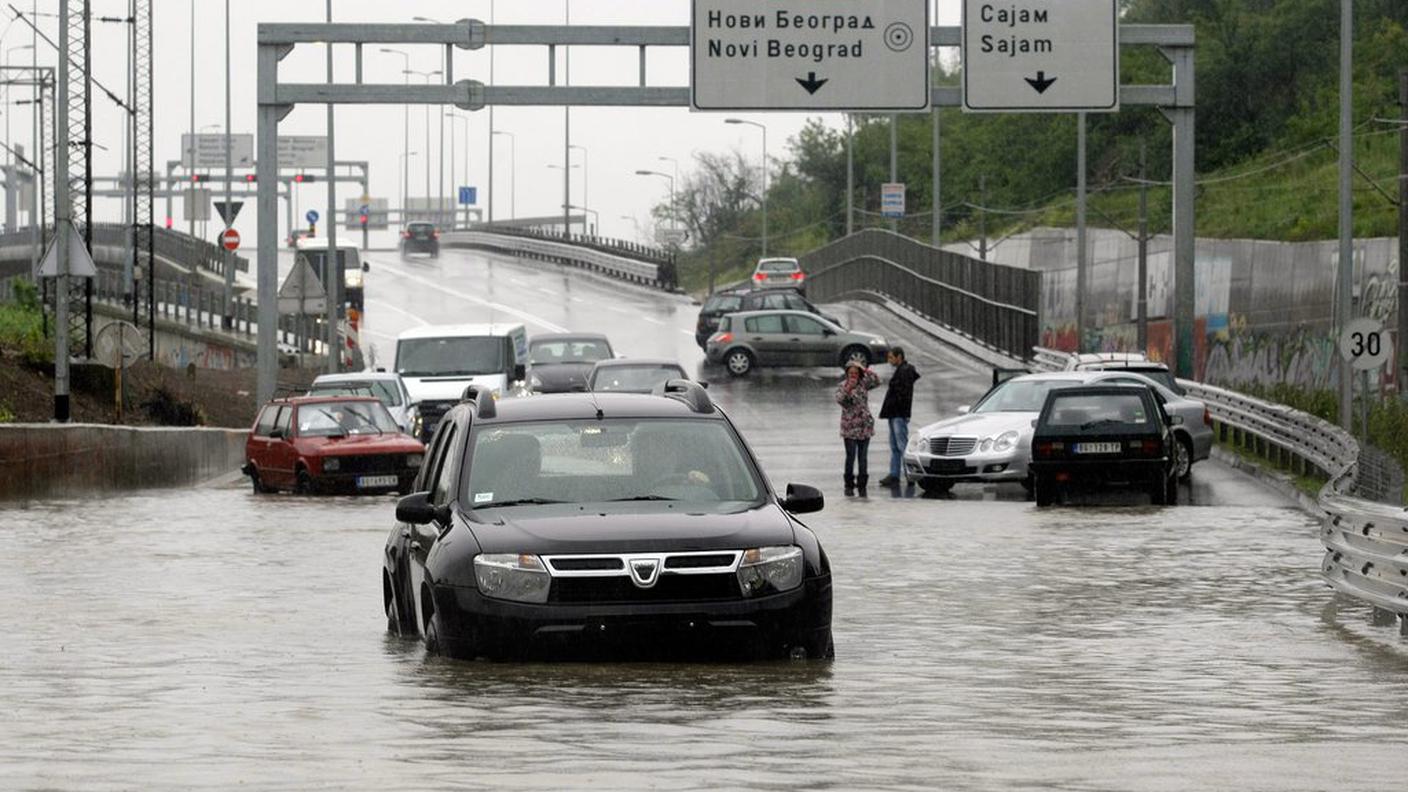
(199, 177)
(250, 177)
(304, 178)
(364, 221)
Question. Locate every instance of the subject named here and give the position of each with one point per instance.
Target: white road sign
(892, 199)
(1365, 344)
(868, 55)
(302, 292)
(209, 151)
(303, 151)
(1041, 56)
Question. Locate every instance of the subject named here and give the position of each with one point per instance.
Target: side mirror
(417, 509)
(276, 434)
(366, 267)
(964, 409)
(520, 372)
(828, 331)
(802, 499)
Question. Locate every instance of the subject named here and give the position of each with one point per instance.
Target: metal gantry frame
(141, 115)
(79, 134)
(277, 99)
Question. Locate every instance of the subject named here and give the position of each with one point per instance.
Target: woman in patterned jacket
(857, 424)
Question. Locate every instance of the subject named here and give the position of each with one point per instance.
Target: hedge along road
(190, 637)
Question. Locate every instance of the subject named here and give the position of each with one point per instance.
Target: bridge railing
(991, 304)
(620, 261)
(1366, 543)
(173, 246)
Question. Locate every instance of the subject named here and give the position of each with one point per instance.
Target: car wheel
(820, 646)
(257, 485)
(935, 486)
(739, 362)
(304, 484)
(1171, 493)
(1043, 492)
(856, 353)
(433, 644)
(1183, 458)
(1158, 493)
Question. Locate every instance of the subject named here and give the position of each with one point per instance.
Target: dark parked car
(581, 523)
(633, 375)
(330, 444)
(1093, 436)
(718, 305)
(560, 362)
(420, 238)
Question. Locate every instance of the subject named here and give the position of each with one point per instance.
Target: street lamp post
(464, 181)
(765, 174)
(635, 223)
(586, 199)
(405, 123)
(673, 226)
(405, 170)
(426, 76)
(512, 173)
(440, 164)
(567, 217)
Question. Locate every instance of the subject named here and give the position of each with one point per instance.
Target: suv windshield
(385, 390)
(1020, 395)
(616, 459)
(455, 356)
(344, 418)
(638, 379)
(542, 353)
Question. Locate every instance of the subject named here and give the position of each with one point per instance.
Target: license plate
(948, 466)
(1097, 448)
(366, 482)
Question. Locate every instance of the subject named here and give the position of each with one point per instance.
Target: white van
(438, 362)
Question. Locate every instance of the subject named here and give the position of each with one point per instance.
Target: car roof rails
(483, 398)
(687, 391)
(288, 392)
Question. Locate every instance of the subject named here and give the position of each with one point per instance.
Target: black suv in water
(420, 238)
(719, 305)
(628, 524)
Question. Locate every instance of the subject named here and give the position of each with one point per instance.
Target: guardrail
(1366, 543)
(177, 248)
(990, 304)
(583, 252)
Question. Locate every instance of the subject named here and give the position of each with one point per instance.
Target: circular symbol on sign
(899, 37)
(312, 215)
(1364, 344)
(230, 239)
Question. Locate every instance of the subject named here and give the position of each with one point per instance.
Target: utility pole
(850, 176)
(489, 197)
(63, 218)
(894, 161)
(1143, 306)
(1082, 261)
(1403, 234)
(332, 272)
(567, 135)
(983, 217)
(935, 182)
(1344, 283)
(229, 312)
(191, 166)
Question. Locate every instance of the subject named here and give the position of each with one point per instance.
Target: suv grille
(952, 446)
(669, 588)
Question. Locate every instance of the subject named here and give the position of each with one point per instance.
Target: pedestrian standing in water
(857, 424)
(899, 401)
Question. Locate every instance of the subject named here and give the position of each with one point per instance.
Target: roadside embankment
(67, 460)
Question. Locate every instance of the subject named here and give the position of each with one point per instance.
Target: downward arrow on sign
(812, 84)
(1040, 83)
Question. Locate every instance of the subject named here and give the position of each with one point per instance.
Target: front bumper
(1103, 473)
(346, 483)
(420, 246)
(977, 466)
(474, 625)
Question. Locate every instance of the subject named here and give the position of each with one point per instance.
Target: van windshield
(462, 356)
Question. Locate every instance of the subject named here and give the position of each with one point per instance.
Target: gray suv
(788, 338)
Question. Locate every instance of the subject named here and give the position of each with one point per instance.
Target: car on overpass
(1134, 362)
(384, 385)
(750, 339)
(991, 441)
(779, 272)
(326, 444)
(1100, 436)
(634, 375)
(716, 306)
(560, 362)
(592, 523)
(437, 363)
(420, 237)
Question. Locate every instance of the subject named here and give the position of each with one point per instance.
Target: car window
(775, 302)
(614, 459)
(770, 323)
(722, 303)
(795, 303)
(267, 418)
(568, 351)
(633, 378)
(452, 356)
(778, 266)
(344, 418)
(804, 325)
(725, 324)
(1020, 395)
(444, 473)
(285, 420)
(1088, 411)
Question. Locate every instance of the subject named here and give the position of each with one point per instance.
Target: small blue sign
(469, 195)
(366, 209)
(312, 215)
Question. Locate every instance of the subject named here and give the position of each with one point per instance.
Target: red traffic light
(250, 177)
(304, 178)
(199, 177)
(364, 219)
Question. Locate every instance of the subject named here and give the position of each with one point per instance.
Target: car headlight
(417, 425)
(916, 444)
(769, 570)
(534, 381)
(496, 394)
(1005, 441)
(986, 445)
(414, 460)
(520, 577)
(332, 465)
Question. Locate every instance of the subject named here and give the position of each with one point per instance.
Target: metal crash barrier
(587, 253)
(1366, 543)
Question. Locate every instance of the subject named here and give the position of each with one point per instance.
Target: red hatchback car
(330, 444)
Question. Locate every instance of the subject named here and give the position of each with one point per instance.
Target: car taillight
(796, 276)
(759, 276)
(405, 234)
(723, 338)
(1047, 448)
(1207, 417)
(434, 234)
(1149, 447)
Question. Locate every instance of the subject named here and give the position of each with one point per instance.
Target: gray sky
(619, 140)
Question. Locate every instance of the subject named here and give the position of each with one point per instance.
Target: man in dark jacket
(899, 401)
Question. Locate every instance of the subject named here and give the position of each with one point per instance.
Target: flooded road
(214, 638)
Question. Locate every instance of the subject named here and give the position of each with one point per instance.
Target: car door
(767, 336)
(816, 347)
(282, 453)
(438, 477)
(256, 448)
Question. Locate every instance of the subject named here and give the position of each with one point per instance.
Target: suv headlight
(770, 570)
(520, 577)
(1005, 441)
(332, 465)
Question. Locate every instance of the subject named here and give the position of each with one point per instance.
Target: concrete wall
(1264, 309)
(72, 460)
(178, 345)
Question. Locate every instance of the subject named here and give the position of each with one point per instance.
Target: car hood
(359, 445)
(559, 377)
(982, 424)
(449, 388)
(634, 528)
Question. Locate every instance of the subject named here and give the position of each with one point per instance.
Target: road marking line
(443, 289)
(402, 311)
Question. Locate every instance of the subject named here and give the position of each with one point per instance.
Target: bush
(168, 409)
(22, 326)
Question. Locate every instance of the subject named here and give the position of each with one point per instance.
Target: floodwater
(213, 638)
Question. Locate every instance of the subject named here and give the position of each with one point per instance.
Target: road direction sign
(312, 216)
(302, 291)
(303, 151)
(230, 239)
(229, 211)
(1041, 56)
(892, 199)
(1365, 344)
(469, 196)
(868, 55)
(208, 151)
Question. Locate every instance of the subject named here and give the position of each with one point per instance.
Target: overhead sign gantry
(1041, 56)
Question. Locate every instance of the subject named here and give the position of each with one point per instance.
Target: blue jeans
(899, 438)
(856, 453)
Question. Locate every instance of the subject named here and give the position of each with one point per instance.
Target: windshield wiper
(642, 498)
(518, 502)
(1100, 422)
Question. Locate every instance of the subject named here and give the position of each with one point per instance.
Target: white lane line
(548, 292)
(443, 289)
(686, 332)
(578, 299)
(402, 311)
(618, 309)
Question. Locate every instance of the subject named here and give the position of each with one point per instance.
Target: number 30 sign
(1365, 344)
